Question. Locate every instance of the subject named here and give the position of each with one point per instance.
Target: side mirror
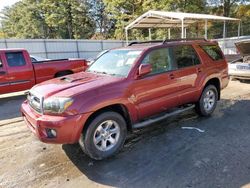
(144, 69)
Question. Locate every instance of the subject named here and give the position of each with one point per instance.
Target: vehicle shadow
(166, 155)
(10, 106)
(245, 81)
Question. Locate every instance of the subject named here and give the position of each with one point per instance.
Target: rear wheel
(208, 101)
(104, 136)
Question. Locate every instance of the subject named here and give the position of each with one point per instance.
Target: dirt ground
(162, 155)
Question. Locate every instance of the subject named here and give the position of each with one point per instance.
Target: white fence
(58, 48)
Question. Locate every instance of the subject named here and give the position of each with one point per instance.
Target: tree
(124, 11)
(67, 19)
(105, 26)
(243, 12)
(226, 5)
(22, 21)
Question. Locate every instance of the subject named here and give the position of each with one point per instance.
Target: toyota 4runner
(124, 89)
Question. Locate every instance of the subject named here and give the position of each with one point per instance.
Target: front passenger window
(160, 59)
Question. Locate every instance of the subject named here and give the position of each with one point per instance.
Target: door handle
(2, 72)
(199, 70)
(171, 76)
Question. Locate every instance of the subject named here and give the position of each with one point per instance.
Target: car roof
(11, 49)
(150, 44)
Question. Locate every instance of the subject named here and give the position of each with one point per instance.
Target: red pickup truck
(18, 73)
(124, 89)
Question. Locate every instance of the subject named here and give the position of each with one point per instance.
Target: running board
(154, 120)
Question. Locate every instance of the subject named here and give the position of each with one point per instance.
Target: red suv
(124, 89)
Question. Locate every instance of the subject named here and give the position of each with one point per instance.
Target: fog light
(51, 133)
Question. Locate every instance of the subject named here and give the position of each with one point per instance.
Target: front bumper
(68, 128)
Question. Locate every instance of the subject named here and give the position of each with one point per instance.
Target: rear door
(156, 92)
(3, 75)
(189, 72)
(20, 71)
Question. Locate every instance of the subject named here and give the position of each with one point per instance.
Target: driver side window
(160, 59)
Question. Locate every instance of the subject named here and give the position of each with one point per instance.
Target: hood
(243, 47)
(72, 84)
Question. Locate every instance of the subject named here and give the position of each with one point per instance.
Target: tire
(204, 107)
(104, 136)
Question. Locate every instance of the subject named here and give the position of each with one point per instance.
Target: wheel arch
(216, 82)
(119, 108)
(62, 73)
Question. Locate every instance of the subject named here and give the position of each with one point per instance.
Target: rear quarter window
(213, 51)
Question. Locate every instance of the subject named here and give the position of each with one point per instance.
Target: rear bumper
(68, 129)
(224, 81)
(240, 74)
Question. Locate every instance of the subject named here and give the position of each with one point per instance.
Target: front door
(20, 71)
(156, 92)
(3, 75)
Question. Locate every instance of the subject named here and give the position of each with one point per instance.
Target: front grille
(35, 102)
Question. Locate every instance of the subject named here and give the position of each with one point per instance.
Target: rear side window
(160, 59)
(15, 59)
(185, 56)
(213, 51)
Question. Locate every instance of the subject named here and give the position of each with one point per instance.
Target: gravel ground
(162, 155)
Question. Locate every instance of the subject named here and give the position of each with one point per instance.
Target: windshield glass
(115, 62)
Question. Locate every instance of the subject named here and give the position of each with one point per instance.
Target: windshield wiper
(103, 72)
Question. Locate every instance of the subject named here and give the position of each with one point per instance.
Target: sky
(4, 3)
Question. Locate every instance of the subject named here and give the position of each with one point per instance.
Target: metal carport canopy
(162, 19)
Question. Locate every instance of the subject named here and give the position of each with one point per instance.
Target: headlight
(56, 105)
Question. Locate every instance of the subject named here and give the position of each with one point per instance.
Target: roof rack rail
(185, 39)
(165, 41)
(145, 42)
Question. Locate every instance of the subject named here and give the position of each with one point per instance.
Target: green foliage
(103, 19)
(105, 25)
(124, 11)
(67, 19)
(243, 12)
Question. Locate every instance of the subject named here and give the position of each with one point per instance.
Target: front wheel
(208, 101)
(104, 136)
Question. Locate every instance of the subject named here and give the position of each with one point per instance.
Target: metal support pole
(126, 32)
(102, 47)
(185, 32)
(224, 36)
(239, 29)
(205, 36)
(45, 49)
(224, 29)
(149, 34)
(77, 49)
(169, 33)
(182, 28)
(5, 42)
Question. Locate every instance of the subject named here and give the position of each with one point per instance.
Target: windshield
(115, 62)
